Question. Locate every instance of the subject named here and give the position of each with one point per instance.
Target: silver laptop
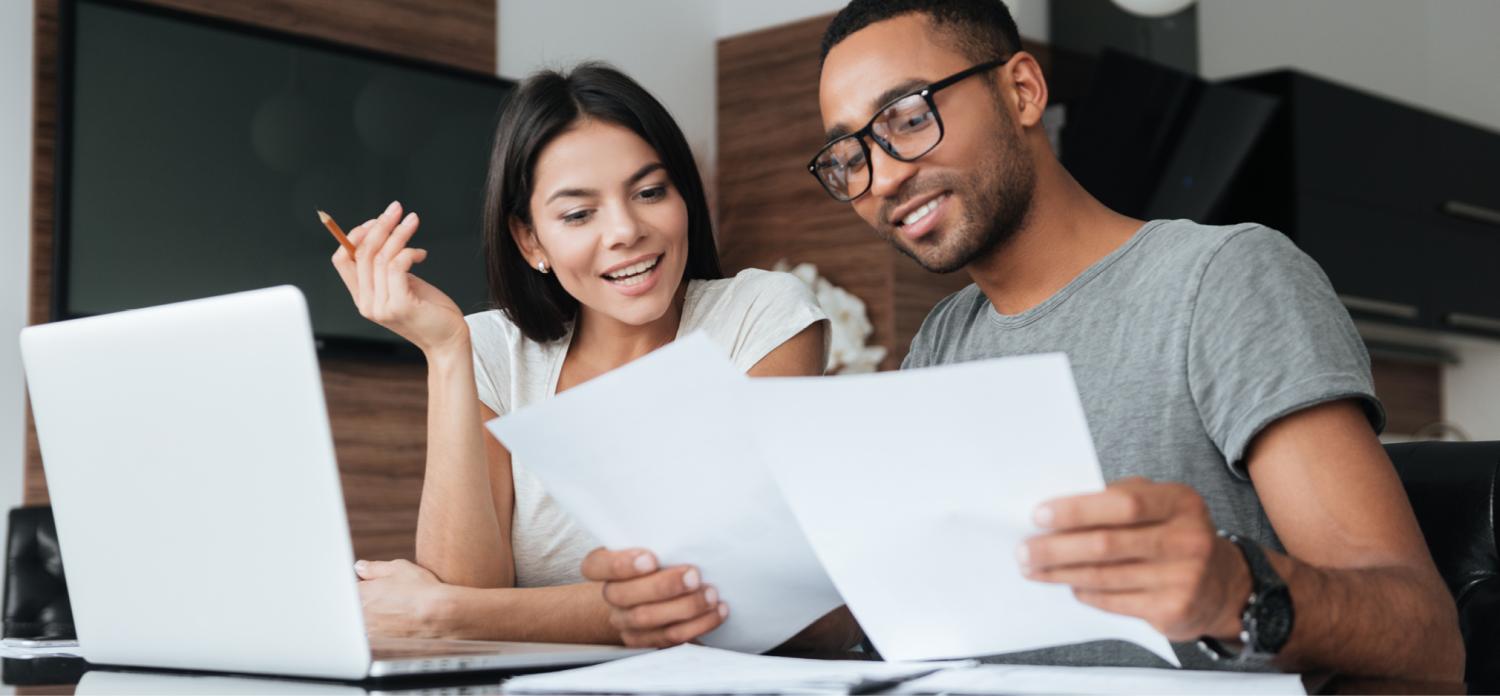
(197, 500)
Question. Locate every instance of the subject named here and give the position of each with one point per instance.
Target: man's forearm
(560, 614)
(1383, 621)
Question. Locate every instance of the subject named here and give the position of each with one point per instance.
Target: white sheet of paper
(694, 669)
(1026, 679)
(916, 487)
(657, 455)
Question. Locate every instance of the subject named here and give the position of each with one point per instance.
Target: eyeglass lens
(906, 130)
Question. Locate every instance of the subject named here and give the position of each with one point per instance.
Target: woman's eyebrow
(639, 174)
(571, 193)
(642, 173)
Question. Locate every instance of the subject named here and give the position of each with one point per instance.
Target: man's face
(971, 192)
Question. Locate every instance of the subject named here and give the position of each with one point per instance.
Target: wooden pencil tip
(324, 217)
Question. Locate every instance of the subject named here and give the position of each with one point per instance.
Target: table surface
(60, 675)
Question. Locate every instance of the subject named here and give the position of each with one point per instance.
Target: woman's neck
(602, 343)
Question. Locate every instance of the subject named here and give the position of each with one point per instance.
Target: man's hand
(1143, 549)
(654, 608)
(401, 599)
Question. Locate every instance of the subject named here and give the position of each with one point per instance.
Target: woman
(599, 250)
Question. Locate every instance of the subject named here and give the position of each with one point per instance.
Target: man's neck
(1065, 232)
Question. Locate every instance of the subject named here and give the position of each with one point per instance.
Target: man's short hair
(981, 30)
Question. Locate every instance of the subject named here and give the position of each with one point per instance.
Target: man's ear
(1028, 88)
(525, 237)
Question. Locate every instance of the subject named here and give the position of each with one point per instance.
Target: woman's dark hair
(543, 107)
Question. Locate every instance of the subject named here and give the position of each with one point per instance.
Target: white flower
(851, 328)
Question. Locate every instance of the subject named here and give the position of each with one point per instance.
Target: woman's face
(608, 221)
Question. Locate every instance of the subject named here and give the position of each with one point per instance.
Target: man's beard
(995, 207)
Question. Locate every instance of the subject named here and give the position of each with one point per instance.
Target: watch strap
(1263, 578)
(1263, 575)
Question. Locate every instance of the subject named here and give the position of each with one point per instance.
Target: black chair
(36, 593)
(1451, 486)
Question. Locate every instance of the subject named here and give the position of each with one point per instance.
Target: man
(1225, 386)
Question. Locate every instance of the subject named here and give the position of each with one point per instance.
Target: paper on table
(1026, 679)
(694, 669)
(657, 455)
(915, 489)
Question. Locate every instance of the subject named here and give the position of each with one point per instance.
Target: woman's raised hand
(380, 281)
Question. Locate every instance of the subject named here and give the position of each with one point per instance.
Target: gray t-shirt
(1185, 342)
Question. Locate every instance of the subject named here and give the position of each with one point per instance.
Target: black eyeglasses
(906, 128)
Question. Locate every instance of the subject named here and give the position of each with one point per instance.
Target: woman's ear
(525, 237)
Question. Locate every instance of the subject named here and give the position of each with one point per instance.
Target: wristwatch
(1266, 622)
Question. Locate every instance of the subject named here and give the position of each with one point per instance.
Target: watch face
(1272, 614)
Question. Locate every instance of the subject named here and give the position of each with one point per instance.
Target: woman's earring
(541, 266)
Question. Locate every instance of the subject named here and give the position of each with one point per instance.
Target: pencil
(333, 228)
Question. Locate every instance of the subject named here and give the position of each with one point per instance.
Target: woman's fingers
(361, 300)
(397, 281)
(344, 263)
(379, 277)
(605, 565)
(397, 239)
(651, 607)
(678, 633)
(374, 239)
(372, 570)
(649, 617)
(391, 302)
(358, 234)
(655, 587)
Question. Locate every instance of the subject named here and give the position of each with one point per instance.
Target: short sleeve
(489, 336)
(1268, 338)
(760, 311)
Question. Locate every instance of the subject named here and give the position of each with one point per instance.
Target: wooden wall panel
(377, 409)
(43, 153)
(1412, 393)
(459, 33)
(769, 207)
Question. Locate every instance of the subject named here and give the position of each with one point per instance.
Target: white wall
(16, 60)
(666, 45)
(1471, 389)
(742, 16)
(1443, 56)
(1031, 18)
(669, 46)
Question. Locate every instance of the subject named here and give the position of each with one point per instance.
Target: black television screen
(194, 153)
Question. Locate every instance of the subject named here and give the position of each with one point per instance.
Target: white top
(748, 315)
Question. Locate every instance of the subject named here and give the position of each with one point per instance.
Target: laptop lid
(193, 481)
